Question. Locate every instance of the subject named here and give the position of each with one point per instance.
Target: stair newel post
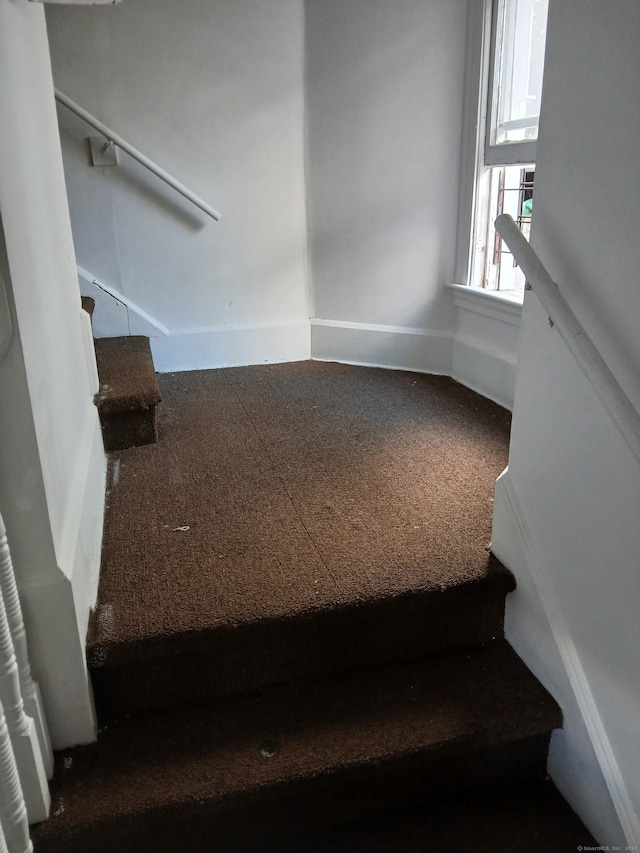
(13, 809)
(28, 687)
(22, 731)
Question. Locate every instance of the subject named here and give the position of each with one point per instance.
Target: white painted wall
(571, 497)
(213, 92)
(384, 86)
(52, 465)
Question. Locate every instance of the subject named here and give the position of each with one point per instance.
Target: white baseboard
(194, 348)
(211, 348)
(533, 635)
(485, 344)
(392, 347)
(484, 369)
(115, 313)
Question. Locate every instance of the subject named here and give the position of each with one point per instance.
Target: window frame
(478, 155)
(506, 153)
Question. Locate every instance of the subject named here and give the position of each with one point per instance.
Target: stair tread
(246, 747)
(127, 376)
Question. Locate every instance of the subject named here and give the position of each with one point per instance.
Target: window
(518, 41)
(512, 83)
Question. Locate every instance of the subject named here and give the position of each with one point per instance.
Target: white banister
(13, 810)
(3, 840)
(137, 155)
(28, 687)
(604, 383)
(22, 731)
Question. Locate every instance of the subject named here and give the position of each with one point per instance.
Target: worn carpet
(283, 488)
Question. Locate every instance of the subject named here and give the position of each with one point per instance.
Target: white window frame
(506, 153)
(478, 155)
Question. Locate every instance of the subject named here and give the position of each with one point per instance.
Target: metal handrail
(137, 155)
(620, 409)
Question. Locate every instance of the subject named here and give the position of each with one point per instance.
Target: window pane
(520, 42)
(511, 191)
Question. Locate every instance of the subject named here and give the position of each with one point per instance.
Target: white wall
(571, 498)
(52, 465)
(384, 86)
(213, 92)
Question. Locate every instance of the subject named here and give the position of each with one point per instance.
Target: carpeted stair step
(302, 758)
(128, 393)
(292, 520)
(527, 818)
(233, 654)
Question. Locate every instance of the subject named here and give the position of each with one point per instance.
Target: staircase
(128, 393)
(298, 644)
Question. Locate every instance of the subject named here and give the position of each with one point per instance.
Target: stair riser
(129, 429)
(269, 820)
(226, 662)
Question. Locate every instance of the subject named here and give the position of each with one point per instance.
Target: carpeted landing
(291, 519)
(299, 629)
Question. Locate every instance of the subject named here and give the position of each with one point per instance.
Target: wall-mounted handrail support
(137, 155)
(604, 383)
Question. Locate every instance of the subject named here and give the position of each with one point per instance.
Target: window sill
(506, 307)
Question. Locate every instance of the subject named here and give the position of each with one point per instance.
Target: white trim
(491, 303)
(577, 676)
(202, 349)
(390, 347)
(89, 352)
(165, 330)
(13, 810)
(485, 345)
(29, 689)
(67, 542)
(473, 111)
(375, 327)
(3, 841)
(484, 369)
(119, 297)
(507, 153)
(510, 154)
(15, 676)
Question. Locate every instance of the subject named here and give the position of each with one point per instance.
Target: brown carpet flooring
(298, 630)
(282, 489)
(301, 757)
(298, 490)
(127, 378)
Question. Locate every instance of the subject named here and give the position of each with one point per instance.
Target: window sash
(505, 153)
